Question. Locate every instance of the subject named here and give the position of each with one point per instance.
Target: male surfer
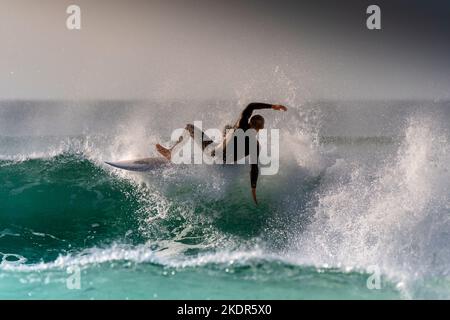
(245, 123)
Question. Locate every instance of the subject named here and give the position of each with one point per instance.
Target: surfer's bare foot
(166, 153)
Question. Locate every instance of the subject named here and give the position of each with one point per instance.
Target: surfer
(245, 123)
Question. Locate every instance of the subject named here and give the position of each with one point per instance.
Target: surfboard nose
(146, 164)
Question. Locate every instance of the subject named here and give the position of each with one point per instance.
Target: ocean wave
(384, 203)
(139, 254)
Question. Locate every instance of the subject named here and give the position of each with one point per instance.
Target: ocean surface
(360, 207)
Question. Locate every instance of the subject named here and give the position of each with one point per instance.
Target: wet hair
(257, 121)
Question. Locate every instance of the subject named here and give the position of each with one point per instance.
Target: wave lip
(142, 254)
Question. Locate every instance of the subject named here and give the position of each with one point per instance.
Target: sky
(210, 49)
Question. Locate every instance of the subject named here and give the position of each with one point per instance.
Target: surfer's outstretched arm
(248, 111)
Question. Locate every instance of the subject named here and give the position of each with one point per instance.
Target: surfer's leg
(167, 152)
(193, 131)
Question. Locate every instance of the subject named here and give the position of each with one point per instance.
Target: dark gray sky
(206, 49)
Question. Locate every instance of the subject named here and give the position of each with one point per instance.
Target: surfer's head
(257, 122)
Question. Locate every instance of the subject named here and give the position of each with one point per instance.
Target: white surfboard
(145, 164)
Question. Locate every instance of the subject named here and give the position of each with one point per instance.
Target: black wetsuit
(242, 123)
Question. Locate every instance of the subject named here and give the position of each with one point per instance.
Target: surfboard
(145, 164)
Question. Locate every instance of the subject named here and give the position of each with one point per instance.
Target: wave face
(360, 188)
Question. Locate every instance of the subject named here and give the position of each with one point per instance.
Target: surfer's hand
(254, 195)
(279, 107)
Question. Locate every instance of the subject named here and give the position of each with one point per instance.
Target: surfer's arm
(254, 171)
(248, 111)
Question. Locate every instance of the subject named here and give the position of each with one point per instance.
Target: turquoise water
(73, 228)
(53, 209)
